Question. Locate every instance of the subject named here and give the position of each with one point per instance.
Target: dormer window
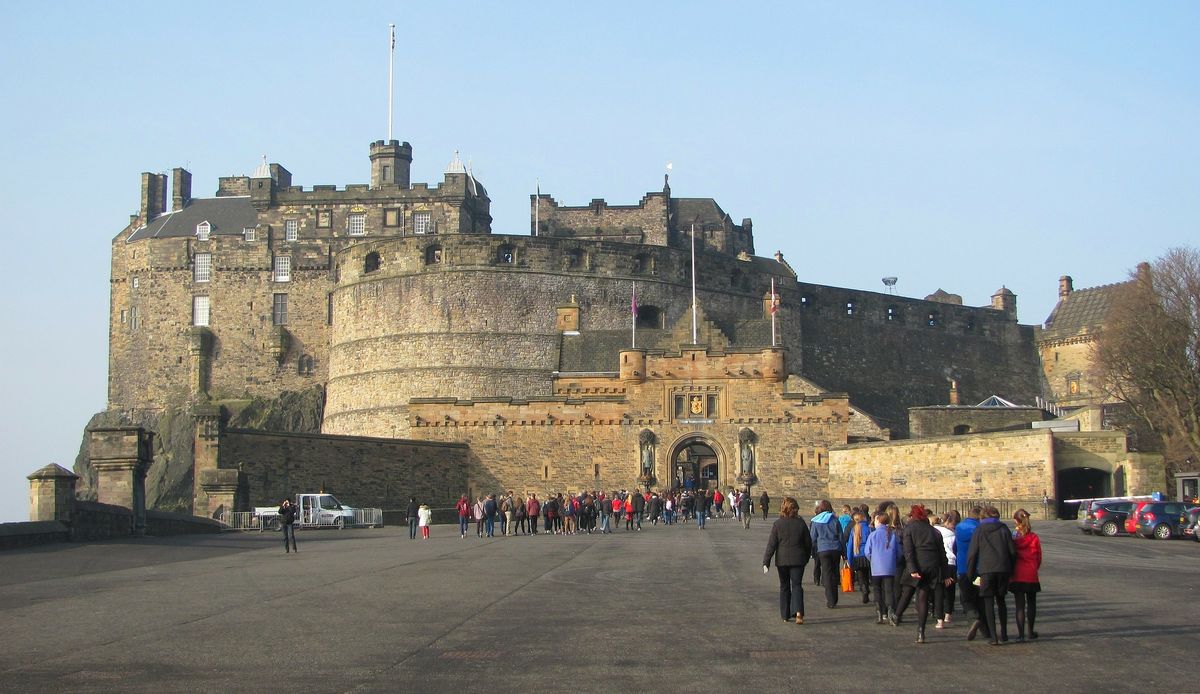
(248, 234)
(203, 229)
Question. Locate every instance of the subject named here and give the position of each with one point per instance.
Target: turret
(1005, 300)
(391, 163)
(633, 365)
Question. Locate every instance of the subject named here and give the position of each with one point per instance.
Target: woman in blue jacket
(827, 544)
(884, 551)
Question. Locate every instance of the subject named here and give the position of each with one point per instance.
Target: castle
(518, 361)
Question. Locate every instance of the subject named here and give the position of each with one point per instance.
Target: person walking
(854, 539)
(424, 516)
(744, 508)
(925, 562)
(477, 514)
(1025, 585)
(287, 523)
(943, 592)
(884, 551)
(489, 515)
(702, 501)
(790, 545)
(827, 544)
(764, 503)
(968, 592)
(411, 516)
(463, 507)
(991, 561)
(533, 509)
(639, 507)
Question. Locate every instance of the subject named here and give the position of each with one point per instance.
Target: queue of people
(920, 555)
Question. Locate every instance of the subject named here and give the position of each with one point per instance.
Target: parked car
(1193, 527)
(1162, 520)
(1131, 520)
(1108, 517)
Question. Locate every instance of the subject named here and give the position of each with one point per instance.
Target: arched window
(305, 365)
(962, 429)
(649, 317)
(371, 263)
(506, 255)
(433, 255)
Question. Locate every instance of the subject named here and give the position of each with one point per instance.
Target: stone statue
(747, 458)
(646, 441)
(647, 458)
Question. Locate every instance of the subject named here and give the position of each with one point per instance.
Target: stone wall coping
(80, 504)
(183, 517)
(340, 437)
(949, 439)
(974, 408)
(32, 528)
(128, 429)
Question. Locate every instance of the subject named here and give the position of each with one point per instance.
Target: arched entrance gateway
(697, 462)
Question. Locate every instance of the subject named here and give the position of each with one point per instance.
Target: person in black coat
(411, 515)
(991, 560)
(790, 545)
(287, 520)
(924, 565)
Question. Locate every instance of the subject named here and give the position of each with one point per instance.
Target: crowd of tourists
(889, 558)
(599, 512)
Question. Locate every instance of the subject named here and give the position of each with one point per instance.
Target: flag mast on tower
(391, 53)
(633, 310)
(774, 309)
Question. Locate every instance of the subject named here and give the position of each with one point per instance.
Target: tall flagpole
(537, 204)
(773, 307)
(633, 310)
(391, 53)
(695, 339)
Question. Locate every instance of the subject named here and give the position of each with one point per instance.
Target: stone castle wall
(1015, 466)
(359, 471)
(888, 365)
(943, 421)
(646, 223)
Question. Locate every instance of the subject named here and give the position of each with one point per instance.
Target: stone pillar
(219, 489)
(205, 447)
(199, 352)
(52, 494)
(121, 456)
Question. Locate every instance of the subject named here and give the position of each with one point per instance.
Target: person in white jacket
(424, 515)
(943, 595)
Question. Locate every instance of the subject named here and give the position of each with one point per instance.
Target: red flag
(633, 305)
(774, 303)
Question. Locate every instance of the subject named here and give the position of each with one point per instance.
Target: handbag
(847, 579)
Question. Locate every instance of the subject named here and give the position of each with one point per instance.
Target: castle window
(892, 313)
(356, 224)
(932, 318)
(849, 308)
(201, 268)
(124, 317)
(970, 326)
(433, 255)
(422, 223)
(248, 234)
(387, 174)
(573, 258)
(506, 254)
(371, 263)
(649, 316)
(134, 318)
(643, 264)
(305, 366)
(283, 268)
(200, 311)
(807, 301)
(135, 283)
(392, 218)
(279, 309)
(324, 219)
(203, 229)
(291, 229)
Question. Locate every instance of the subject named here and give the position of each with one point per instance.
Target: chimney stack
(953, 392)
(1065, 286)
(154, 196)
(181, 188)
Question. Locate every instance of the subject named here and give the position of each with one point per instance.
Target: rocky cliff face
(169, 479)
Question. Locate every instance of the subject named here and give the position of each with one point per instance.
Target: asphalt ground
(665, 609)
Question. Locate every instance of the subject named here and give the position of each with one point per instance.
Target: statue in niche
(747, 458)
(646, 444)
(746, 440)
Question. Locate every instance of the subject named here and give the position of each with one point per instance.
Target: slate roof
(227, 215)
(1081, 309)
(696, 210)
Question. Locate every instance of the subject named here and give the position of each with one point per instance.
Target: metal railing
(242, 520)
(248, 520)
(368, 517)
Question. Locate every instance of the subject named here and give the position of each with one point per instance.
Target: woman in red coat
(1024, 584)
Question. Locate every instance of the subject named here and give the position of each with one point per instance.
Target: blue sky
(961, 146)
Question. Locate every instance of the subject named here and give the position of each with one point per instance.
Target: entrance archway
(696, 463)
(1080, 483)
